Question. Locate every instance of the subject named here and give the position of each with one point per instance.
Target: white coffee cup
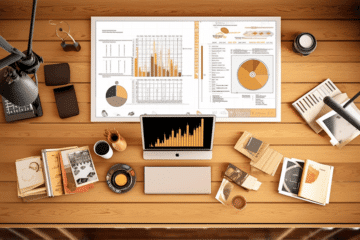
(103, 149)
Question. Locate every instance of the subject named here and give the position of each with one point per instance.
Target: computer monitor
(177, 136)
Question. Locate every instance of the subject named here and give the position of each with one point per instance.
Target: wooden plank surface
(84, 9)
(177, 213)
(336, 26)
(323, 30)
(183, 226)
(340, 193)
(225, 133)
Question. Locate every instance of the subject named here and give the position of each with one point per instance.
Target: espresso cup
(103, 149)
(239, 202)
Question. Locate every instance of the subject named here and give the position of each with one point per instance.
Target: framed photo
(81, 164)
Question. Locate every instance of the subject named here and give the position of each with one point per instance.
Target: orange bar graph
(187, 136)
(172, 138)
(162, 58)
(136, 64)
(180, 139)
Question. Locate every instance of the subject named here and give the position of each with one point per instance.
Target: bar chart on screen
(191, 137)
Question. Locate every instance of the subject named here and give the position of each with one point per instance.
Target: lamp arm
(36, 79)
(32, 23)
(342, 111)
(352, 99)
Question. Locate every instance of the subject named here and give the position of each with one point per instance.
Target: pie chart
(253, 74)
(116, 96)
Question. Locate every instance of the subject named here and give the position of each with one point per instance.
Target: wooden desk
(337, 57)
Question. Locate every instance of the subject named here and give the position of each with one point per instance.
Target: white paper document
(229, 67)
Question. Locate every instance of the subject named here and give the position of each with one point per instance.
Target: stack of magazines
(306, 180)
(57, 172)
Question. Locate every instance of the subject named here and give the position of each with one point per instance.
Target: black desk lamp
(15, 83)
(342, 111)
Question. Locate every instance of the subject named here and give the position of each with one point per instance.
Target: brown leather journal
(66, 101)
(57, 74)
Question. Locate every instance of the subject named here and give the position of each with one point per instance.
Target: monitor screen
(165, 133)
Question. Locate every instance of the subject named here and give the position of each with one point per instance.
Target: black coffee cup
(103, 149)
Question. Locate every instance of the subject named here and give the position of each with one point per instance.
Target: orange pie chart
(253, 74)
(116, 96)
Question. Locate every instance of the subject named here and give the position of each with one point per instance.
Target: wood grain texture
(340, 192)
(336, 26)
(177, 213)
(84, 9)
(323, 30)
(179, 225)
(225, 133)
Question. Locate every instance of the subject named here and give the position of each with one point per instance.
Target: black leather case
(57, 74)
(66, 101)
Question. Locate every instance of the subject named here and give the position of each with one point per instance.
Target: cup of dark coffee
(103, 149)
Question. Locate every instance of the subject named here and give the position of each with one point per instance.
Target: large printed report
(229, 67)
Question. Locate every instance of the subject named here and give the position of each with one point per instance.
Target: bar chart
(158, 56)
(177, 138)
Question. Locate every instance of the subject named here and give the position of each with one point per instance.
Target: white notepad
(310, 105)
(177, 180)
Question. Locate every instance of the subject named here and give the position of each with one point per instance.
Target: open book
(306, 180)
(52, 175)
(30, 177)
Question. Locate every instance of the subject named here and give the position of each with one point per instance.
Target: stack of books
(306, 180)
(57, 172)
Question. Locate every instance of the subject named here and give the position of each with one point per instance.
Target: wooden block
(267, 159)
